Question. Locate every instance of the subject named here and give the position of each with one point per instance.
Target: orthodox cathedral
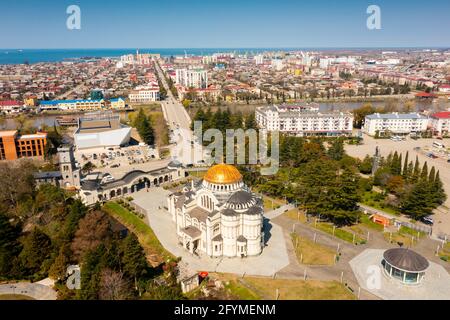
(219, 215)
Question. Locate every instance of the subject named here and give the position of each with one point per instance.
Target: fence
(420, 228)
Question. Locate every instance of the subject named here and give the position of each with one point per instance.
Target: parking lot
(114, 158)
(422, 149)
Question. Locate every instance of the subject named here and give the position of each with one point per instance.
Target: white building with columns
(219, 216)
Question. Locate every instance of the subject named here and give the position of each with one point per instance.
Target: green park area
(147, 238)
(340, 233)
(296, 215)
(376, 200)
(256, 288)
(272, 203)
(405, 236)
(444, 252)
(311, 253)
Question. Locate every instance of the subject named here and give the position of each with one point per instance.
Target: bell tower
(70, 173)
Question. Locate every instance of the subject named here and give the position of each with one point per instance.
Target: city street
(185, 149)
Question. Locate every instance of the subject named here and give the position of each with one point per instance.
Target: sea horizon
(32, 56)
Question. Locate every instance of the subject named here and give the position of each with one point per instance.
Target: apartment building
(304, 120)
(11, 106)
(440, 123)
(192, 78)
(144, 94)
(14, 146)
(395, 123)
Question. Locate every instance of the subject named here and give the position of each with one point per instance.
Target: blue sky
(220, 24)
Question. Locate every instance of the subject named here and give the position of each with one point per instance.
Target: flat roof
(8, 133)
(33, 136)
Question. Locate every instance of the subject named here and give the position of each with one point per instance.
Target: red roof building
(425, 95)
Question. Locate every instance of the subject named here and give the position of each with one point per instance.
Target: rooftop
(406, 260)
(8, 133)
(396, 115)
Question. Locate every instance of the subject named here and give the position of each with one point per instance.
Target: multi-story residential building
(14, 146)
(444, 88)
(192, 78)
(144, 94)
(11, 106)
(304, 120)
(395, 123)
(440, 123)
(78, 105)
(259, 59)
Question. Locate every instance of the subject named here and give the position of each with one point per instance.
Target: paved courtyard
(435, 286)
(36, 291)
(273, 258)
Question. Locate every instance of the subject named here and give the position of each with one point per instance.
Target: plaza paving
(36, 291)
(435, 286)
(273, 258)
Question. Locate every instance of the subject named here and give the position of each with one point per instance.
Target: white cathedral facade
(219, 216)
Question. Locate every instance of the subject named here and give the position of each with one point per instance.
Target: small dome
(240, 197)
(406, 260)
(223, 174)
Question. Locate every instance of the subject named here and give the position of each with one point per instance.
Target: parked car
(428, 220)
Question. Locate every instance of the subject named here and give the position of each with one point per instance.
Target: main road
(185, 149)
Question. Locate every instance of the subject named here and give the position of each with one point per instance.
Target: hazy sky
(227, 23)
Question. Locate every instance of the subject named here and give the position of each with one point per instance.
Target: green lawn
(376, 200)
(444, 253)
(339, 232)
(272, 203)
(311, 253)
(241, 292)
(147, 238)
(365, 221)
(294, 215)
(301, 290)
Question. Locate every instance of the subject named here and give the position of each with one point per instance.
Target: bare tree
(114, 286)
(93, 230)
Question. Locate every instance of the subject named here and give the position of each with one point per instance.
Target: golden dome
(223, 174)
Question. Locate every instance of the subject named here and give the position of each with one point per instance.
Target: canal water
(49, 120)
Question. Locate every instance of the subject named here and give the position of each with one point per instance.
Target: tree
(424, 172)
(250, 122)
(114, 286)
(37, 247)
(133, 257)
(88, 167)
(365, 166)
(361, 113)
(9, 245)
(144, 127)
(93, 230)
(336, 150)
(416, 171)
(416, 203)
(58, 270)
(16, 182)
(405, 171)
